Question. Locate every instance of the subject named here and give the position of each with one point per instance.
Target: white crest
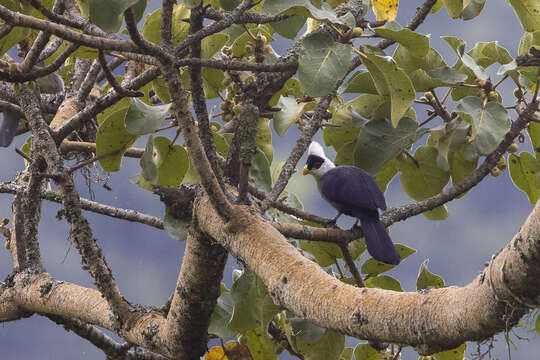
(316, 149)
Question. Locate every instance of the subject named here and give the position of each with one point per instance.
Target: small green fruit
(513, 148)
(495, 172)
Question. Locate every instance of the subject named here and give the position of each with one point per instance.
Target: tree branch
(431, 321)
(26, 293)
(102, 103)
(197, 290)
(93, 206)
(99, 339)
(198, 95)
(193, 143)
(80, 231)
(18, 19)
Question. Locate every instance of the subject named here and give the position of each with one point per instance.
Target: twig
(300, 148)
(28, 158)
(145, 45)
(103, 342)
(350, 263)
(93, 206)
(199, 98)
(115, 62)
(88, 82)
(112, 80)
(102, 103)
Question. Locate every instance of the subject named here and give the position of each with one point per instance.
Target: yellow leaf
(235, 351)
(216, 353)
(385, 9)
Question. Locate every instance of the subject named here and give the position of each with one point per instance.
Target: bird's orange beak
(305, 170)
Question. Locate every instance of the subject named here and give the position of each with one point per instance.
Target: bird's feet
(330, 224)
(355, 227)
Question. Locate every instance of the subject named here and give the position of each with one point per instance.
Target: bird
(354, 192)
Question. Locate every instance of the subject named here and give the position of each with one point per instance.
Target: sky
(145, 261)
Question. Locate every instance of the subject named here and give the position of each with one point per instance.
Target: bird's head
(317, 163)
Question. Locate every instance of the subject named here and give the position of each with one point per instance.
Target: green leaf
(528, 40)
(472, 9)
(466, 60)
(393, 82)
(525, 173)
(308, 331)
(417, 44)
(325, 253)
(347, 354)
(109, 20)
(16, 35)
(112, 140)
(175, 228)
(534, 134)
(537, 324)
(300, 7)
(423, 178)
(453, 354)
(488, 125)
(372, 267)
(180, 29)
(454, 7)
(162, 91)
(289, 28)
(426, 279)
(261, 347)
(222, 315)
(289, 114)
(378, 142)
(409, 63)
(328, 347)
(347, 123)
(383, 282)
(460, 167)
(192, 3)
(487, 53)
(357, 248)
(259, 172)
(253, 307)
(447, 75)
(212, 44)
(169, 163)
(345, 154)
(386, 173)
(366, 352)
(229, 4)
(291, 87)
(528, 12)
(144, 119)
(322, 63)
(361, 82)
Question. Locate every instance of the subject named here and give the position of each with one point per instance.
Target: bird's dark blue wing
(350, 189)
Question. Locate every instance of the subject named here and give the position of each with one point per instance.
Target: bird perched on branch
(354, 192)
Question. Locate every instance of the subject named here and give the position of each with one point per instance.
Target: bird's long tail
(379, 244)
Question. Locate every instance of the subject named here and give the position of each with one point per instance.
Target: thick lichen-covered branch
(431, 321)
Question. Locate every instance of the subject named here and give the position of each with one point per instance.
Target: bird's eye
(317, 164)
